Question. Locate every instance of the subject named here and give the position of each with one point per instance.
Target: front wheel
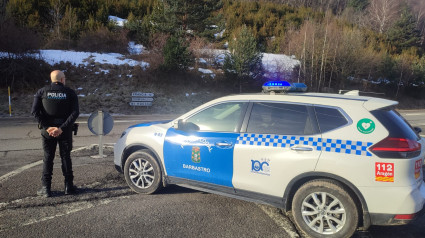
(323, 208)
(142, 172)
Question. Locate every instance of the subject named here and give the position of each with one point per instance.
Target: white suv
(338, 162)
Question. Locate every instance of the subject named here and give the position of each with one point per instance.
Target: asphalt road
(106, 207)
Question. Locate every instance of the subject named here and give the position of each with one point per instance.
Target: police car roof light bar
(298, 87)
(283, 86)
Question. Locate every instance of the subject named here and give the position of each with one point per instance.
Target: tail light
(405, 217)
(392, 147)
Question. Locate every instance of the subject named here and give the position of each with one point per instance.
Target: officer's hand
(50, 130)
(58, 131)
(54, 131)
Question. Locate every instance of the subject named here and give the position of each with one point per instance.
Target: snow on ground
(276, 66)
(135, 49)
(86, 58)
(117, 20)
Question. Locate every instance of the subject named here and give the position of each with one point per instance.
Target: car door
(201, 148)
(278, 142)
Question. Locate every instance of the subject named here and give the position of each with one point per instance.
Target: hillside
(105, 81)
(368, 45)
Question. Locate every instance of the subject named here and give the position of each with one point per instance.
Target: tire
(323, 208)
(142, 172)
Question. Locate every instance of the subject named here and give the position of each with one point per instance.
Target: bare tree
(383, 13)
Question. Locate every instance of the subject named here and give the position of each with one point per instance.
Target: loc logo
(260, 167)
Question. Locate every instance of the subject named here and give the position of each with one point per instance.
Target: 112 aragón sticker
(418, 166)
(384, 172)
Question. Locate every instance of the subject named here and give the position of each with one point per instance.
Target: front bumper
(119, 169)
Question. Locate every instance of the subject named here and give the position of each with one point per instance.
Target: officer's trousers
(49, 147)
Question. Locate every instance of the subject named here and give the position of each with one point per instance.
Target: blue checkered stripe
(321, 144)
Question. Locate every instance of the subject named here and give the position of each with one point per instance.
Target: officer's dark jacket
(55, 106)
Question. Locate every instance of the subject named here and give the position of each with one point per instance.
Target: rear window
(329, 118)
(397, 126)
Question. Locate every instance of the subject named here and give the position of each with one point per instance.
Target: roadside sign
(146, 104)
(140, 94)
(99, 120)
(100, 123)
(141, 99)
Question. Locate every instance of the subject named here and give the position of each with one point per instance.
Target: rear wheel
(323, 208)
(142, 172)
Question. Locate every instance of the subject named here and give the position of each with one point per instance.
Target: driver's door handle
(296, 148)
(223, 144)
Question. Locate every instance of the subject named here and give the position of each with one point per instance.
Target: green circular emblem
(366, 126)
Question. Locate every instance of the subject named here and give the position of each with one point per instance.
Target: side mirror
(186, 126)
(417, 129)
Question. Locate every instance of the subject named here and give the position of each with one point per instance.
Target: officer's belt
(58, 121)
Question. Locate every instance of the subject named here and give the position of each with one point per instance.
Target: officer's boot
(44, 191)
(70, 188)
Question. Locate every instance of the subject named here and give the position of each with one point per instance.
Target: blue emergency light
(284, 86)
(298, 87)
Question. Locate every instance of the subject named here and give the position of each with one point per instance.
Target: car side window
(279, 118)
(224, 117)
(329, 118)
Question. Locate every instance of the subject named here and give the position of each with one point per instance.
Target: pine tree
(404, 33)
(358, 5)
(176, 54)
(70, 27)
(163, 18)
(189, 16)
(244, 59)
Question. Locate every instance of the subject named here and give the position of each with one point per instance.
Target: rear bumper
(389, 219)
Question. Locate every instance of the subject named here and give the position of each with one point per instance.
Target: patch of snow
(220, 34)
(277, 66)
(205, 71)
(53, 57)
(135, 49)
(117, 20)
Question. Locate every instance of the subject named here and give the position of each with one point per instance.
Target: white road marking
(65, 209)
(28, 166)
(19, 170)
(72, 208)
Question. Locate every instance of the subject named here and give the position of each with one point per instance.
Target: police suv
(338, 162)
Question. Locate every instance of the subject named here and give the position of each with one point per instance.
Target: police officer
(56, 109)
